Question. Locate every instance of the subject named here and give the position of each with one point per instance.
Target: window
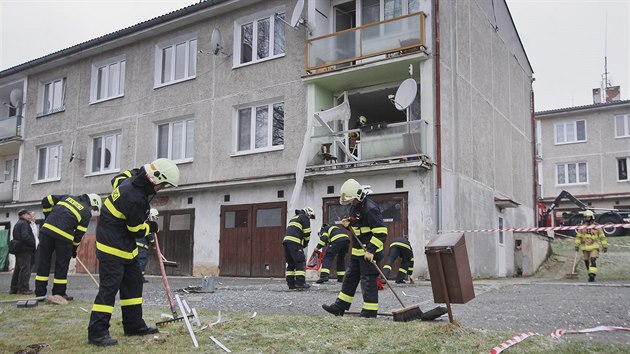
(622, 126)
(108, 80)
(571, 173)
(622, 169)
(260, 128)
(52, 97)
(176, 61)
(501, 235)
(175, 140)
(49, 163)
(106, 153)
(259, 40)
(570, 132)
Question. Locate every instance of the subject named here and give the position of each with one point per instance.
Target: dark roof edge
(110, 37)
(518, 36)
(584, 107)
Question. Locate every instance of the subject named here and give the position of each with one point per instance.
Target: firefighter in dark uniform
(297, 236)
(400, 248)
(123, 219)
(366, 221)
(66, 219)
(338, 243)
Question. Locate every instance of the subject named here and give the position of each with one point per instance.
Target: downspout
(534, 162)
(438, 122)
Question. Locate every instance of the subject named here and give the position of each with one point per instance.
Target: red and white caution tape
(548, 228)
(512, 341)
(560, 332)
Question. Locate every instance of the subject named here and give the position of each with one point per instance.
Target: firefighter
(66, 219)
(123, 219)
(366, 221)
(588, 241)
(400, 248)
(296, 238)
(338, 243)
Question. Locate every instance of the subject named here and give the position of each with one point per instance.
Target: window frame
(254, 20)
(566, 173)
(626, 128)
(120, 61)
(627, 165)
(173, 43)
(252, 143)
(48, 178)
(41, 105)
(184, 140)
(116, 155)
(575, 132)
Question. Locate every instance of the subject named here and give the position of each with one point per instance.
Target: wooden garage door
(176, 237)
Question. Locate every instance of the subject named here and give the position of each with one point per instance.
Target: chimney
(597, 96)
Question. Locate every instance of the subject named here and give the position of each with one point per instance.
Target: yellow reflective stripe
(376, 242)
(46, 210)
(358, 252)
(338, 236)
(137, 228)
(289, 273)
(82, 228)
(41, 278)
(325, 270)
(75, 244)
(387, 266)
(50, 200)
(140, 244)
(325, 234)
(60, 281)
(102, 308)
(341, 273)
(292, 239)
(131, 302)
(296, 224)
(112, 209)
(370, 306)
(379, 230)
(116, 252)
(58, 231)
(72, 209)
(300, 272)
(321, 243)
(365, 229)
(307, 230)
(412, 259)
(356, 231)
(402, 270)
(345, 298)
(400, 244)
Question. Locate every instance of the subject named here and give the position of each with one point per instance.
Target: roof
(582, 108)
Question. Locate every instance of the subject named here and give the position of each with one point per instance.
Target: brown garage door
(176, 237)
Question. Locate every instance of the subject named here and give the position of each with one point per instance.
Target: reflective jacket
(123, 219)
(299, 229)
(406, 252)
(367, 224)
(589, 239)
(66, 217)
(149, 239)
(331, 234)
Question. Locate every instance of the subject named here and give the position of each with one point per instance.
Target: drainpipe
(534, 162)
(438, 132)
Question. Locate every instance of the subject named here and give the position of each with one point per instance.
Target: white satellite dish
(15, 98)
(405, 94)
(215, 42)
(296, 17)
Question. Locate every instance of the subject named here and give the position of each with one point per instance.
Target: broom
(573, 274)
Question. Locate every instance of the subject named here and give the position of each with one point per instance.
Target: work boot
(367, 314)
(103, 341)
(591, 277)
(322, 280)
(25, 292)
(334, 309)
(67, 297)
(304, 286)
(400, 282)
(142, 331)
(340, 279)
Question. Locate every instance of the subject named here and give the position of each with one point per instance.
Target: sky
(565, 40)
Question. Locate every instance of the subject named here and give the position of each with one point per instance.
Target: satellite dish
(405, 94)
(215, 42)
(296, 18)
(16, 97)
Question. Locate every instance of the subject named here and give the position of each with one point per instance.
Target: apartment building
(259, 103)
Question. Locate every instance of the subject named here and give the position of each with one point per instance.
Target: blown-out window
(106, 153)
(622, 169)
(52, 97)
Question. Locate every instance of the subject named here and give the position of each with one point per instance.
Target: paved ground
(516, 304)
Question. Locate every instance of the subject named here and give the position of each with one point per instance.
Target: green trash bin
(4, 250)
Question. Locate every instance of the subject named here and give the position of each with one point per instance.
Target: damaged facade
(238, 115)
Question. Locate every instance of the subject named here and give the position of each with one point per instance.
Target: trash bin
(447, 259)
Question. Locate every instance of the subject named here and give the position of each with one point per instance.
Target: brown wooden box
(450, 249)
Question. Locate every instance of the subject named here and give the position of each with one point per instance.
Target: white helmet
(95, 201)
(589, 214)
(309, 212)
(162, 171)
(351, 189)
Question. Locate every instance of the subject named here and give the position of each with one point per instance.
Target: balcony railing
(377, 143)
(390, 37)
(7, 190)
(10, 127)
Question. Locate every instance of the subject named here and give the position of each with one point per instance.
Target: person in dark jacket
(297, 236)
(124, 218)
(338, 243)
(66, 219)
(400, 248)
(23, 233)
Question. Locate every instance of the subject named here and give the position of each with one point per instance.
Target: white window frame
(115, 154)
(252, 126)
(190, 66)
(566, 173)
(627, 162)
(52, 165)
(114, 86)
(254, 20)
(186, 147)
(58, 98)
(625, 121)
(567, 126)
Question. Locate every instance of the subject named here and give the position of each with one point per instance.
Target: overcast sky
(565, 40)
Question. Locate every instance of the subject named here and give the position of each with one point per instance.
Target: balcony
(7, 190)
(10, 128)
(385, 39)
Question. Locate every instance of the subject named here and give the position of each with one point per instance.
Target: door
(176, 238)
(501, 262)
(251, 240)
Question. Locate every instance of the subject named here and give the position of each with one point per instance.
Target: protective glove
(577, 248)
(369, 256)
(74, 252)
(605, 249)
(346, 223)
(153, 226)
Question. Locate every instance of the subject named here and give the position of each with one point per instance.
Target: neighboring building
(585, 150)
(242, 116)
